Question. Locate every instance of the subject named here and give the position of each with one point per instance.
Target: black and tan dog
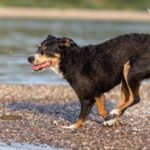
(95, 69)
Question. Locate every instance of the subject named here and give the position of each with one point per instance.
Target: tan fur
(39, 59)
(79, 123)
(124, 95)
(131, 95)
(100, 103)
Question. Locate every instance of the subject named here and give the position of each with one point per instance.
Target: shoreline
(73, 14)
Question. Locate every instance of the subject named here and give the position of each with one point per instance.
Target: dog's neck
(70, 61)
(57, 71)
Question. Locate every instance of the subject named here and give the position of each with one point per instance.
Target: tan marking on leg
(130, 101)
(124, 95)
(131, 94)
(123, 99)
(100, 103)
(78, 124)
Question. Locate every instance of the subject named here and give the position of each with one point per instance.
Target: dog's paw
(78, 124)
(109, 122)
(112, 122)
(115, 112)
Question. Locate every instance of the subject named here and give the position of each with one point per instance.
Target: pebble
(44, 109)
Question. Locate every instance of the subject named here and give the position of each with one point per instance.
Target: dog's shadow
(67, 111)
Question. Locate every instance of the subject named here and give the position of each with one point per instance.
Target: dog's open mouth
(41, 66)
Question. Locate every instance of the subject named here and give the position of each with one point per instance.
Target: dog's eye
(44, 48)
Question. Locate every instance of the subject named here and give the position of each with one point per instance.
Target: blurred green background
(80, 4)
(19, 37)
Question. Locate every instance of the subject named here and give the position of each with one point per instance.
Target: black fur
(95, 69)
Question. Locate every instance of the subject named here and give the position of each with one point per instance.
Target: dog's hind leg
(86, 106)
(100, 103)
(134, 72)
(124, 94)
(133, 82)
(123, 98)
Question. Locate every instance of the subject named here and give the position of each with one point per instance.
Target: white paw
(73, 126)
(115, 112)
(110, 122)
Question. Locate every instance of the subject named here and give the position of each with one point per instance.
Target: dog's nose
(30, 59)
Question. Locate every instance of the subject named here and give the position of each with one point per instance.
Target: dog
(96, 69)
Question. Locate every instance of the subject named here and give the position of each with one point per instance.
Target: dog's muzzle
(31, 59)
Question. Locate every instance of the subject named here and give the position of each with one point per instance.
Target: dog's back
(120, 49)
(102, 64)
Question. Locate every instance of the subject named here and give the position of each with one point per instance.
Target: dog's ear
(51, 37)
(66, 42)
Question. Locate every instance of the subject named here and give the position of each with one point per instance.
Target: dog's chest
(57, 71)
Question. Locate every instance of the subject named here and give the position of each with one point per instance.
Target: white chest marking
(57, 71)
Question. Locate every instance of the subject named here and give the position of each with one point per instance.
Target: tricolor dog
(96, 69)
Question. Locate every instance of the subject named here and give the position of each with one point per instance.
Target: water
(19, 39)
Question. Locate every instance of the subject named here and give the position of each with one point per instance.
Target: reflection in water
(19, 39)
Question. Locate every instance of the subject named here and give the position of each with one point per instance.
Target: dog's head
(49, 52)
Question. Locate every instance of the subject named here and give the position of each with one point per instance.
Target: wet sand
(43, 110)
(72, 14)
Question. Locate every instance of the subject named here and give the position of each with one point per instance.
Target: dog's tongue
(41, 66)
(36, 68)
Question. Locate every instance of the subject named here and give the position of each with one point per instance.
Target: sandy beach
(71, 14)
(40, 111)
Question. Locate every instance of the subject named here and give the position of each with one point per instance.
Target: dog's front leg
(101, 107)
(86, 106)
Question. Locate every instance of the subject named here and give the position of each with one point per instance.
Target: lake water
(19, 39)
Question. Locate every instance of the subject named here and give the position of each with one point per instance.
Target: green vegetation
(87, 4)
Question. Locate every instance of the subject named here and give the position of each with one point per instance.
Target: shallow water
(19, 39)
